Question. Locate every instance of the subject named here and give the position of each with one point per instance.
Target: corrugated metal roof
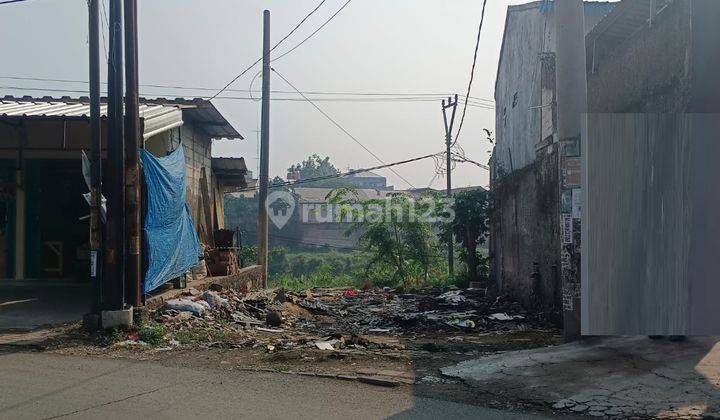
(157, 118)
(202, 112)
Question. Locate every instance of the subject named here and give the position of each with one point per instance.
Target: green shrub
(152, 334)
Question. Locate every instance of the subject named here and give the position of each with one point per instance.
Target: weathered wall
(705, 89)
(529, 35)
(525, 233)
(650, 71)
(651, 225)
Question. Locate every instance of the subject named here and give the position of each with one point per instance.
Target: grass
(152, 334)
(186, 337)
(316, 279)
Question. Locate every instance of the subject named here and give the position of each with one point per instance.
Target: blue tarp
(173, 246)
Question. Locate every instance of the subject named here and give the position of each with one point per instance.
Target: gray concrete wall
(706, 56)
(525, 234)
(650, 71)
(651, 230)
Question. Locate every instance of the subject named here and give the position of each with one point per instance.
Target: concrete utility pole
(114, 274)
(264, 150)
(571, 82)
(95, 148)
(133, 142)
(451, 103)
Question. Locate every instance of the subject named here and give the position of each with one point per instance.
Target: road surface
(47, 386)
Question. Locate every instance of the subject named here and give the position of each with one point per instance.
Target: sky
(387, 46)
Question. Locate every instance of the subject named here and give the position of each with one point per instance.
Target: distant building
(367, 180)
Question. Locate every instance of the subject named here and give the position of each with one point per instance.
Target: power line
(271, 49)
(472, 71)
(341, 175)
(434, 96)
(10, 1)
(339, 126)
(463, 159)
(250, 98)
(104, 21)
(312, 34)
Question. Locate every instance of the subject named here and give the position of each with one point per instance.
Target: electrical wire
(472, 71)
(339, 175)
(251, 98)
(339, 126)
(10, 1)
(271, 49)
(312, 34)
(104, 23)
(463, 159)
(435, 96)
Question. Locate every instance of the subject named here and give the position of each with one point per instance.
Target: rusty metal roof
(156, 118)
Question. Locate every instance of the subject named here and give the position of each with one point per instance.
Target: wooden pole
(114, 275)
(133, 142)
(95, 148)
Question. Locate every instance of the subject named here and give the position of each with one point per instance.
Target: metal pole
(448, 146)
(133, 142)
(571, 105)
(114, 275)
(95, 148)
(264, 151)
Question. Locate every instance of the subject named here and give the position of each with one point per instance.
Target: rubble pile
(334, 318)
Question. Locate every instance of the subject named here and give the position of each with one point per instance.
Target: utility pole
(451, 103)
(95, 149)
(133, 141)
(264, 151)
(571, 82)
(114, 274)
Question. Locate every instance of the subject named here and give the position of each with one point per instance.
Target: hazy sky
(417, 46)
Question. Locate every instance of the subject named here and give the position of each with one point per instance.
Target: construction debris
(336, 319)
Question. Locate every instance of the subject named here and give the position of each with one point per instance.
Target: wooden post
(133, 142)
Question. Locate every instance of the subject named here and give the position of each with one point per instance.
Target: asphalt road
(46, 386)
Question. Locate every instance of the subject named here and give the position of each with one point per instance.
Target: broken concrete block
(122, 318)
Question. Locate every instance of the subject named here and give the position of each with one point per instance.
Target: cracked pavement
(606, 377)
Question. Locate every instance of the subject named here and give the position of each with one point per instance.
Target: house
(315, 222)
(44, 228)
(525, 231)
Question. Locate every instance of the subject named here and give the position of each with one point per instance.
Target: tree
(470, 227)
(314, 166)
(395, 231)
